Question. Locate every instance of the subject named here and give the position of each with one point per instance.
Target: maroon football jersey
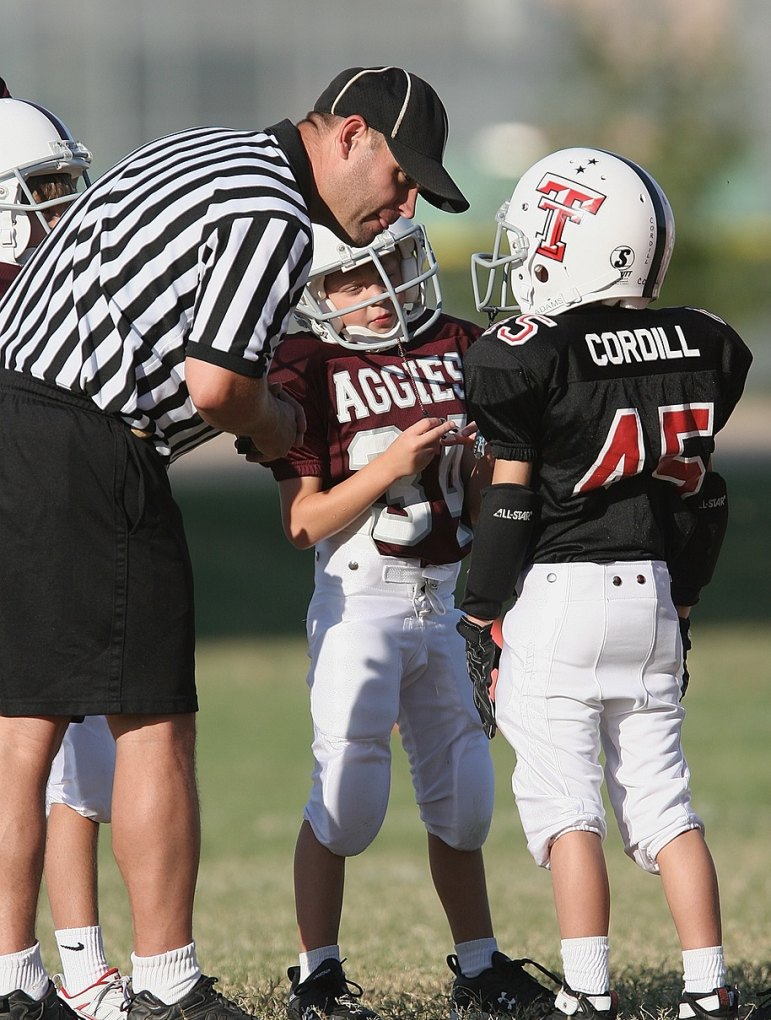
(617, 410)
(357, 403)
(8, 273)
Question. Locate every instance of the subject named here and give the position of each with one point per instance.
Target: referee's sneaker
(200, 1003)
(20, 1006)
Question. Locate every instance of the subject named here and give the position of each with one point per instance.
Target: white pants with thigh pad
(592, 662)
(384, 651)
(82, 772)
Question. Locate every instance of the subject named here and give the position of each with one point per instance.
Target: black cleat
(19, 1006)
(505, 989)
(720, 1004)
(581, 1006)
(326, 992)
(762, 1008)
(200, 1003)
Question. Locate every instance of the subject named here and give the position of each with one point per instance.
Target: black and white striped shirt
(198, 243)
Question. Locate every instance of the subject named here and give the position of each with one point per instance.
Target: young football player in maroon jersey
(379, 489)
(607, 517)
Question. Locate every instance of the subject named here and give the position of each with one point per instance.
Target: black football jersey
(357, 402)
(617, 410)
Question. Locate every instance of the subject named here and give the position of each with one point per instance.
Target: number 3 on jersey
(623, 452)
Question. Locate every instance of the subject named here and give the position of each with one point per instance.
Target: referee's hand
(284, 428)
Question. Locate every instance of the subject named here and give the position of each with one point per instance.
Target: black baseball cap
(410, 115)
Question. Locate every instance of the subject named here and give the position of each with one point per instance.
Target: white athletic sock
(475, 956)
(82, 954)
(168, 976)
(703, 969)
(24, 972)
(309, 961)
(585, 964)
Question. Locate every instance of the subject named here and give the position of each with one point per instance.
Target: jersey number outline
(528, 327)
(623, 452)
(406, 518)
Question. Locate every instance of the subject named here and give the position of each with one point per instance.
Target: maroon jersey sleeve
(357, 403)
(299, 365)
(8, 274)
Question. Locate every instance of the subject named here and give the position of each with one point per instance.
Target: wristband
(502, 536)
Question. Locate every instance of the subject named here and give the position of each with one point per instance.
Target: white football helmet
(33, 142)
(417, 300)
(582, 225)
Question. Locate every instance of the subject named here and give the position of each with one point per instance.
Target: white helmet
(414, 314)
(33, 143)
(582, 225)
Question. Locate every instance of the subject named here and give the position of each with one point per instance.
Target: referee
(143, 326)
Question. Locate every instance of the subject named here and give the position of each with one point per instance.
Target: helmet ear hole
(541, 273)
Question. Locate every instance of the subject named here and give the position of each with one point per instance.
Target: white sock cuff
(314, 957)
(703, 969)
(82, 955)
(168, 976)
(585, 963)
(475, 956)
(24, 971)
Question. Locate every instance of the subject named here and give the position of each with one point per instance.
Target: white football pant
(592, 661)
(384, 651)
(82, 771)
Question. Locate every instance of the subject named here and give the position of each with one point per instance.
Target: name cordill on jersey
(628, 345)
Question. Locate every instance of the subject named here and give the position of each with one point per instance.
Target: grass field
(254, 767)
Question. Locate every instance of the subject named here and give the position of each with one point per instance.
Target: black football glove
(685, 637)
(482, 657)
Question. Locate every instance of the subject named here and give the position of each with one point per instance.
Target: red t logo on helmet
(564, 201)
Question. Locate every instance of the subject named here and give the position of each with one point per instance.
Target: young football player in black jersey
(604, 520)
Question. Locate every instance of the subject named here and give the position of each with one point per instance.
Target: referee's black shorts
(96, 590)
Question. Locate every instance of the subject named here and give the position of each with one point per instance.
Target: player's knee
(349, 798)
(457, 804)
(541, 841)
(345, 836)
(463, 819)
(465, 834)
(645, 852)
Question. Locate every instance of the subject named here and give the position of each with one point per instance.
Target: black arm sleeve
(692, 568)
(501, 541)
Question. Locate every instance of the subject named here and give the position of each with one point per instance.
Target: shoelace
(339, 987)
(519, 964)
(117, 982)
(764, 1002)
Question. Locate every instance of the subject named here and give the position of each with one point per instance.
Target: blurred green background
(680, 87)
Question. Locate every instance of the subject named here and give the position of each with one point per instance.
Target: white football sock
(585, 964)
(82, 954)
(703, 969)
(24, 972)
(475, 956)
(168, 976)
(310, 961)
